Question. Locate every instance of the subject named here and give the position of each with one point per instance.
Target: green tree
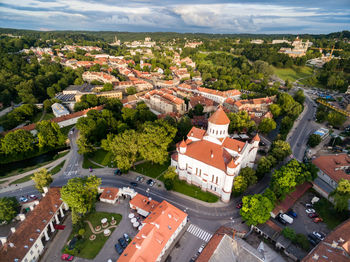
(131, 90)
(124, 148)
(302, 241)
(155, 139)
(263, 68)
(9, 208)
(169, 184)
(270, 195)
(170, 173)
(17, 142)
(299, 96)
(314, 140)
(265, 164)
(42, 178)
(275, 110)
(84, 145)
(249, 175)
(240, 121)
(335, 118)
(107, 87)
(80, 195)
(256, 209)
(280, 149)
(49, 134)
(267, 125)
(341, 195)
(289, 233)
(240, 184)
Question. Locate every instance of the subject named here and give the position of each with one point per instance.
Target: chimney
(45, 189)
(13, 229)
(31, 208)
(211, 154)
(22, 216)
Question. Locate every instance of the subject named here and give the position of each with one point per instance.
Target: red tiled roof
(332, 165)
(196, 132)
(109, 193)
(256, 138)
(27, 229)
(219, 117)
(233, 144)
(143, 203)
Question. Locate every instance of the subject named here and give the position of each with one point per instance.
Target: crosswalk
(198, 232)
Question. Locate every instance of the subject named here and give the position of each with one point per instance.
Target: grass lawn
(87, 163)
(330, 216)
(90, 248)
(293, 73)
(150, 170)
(193, 191)
(57, 168)
(102, 157)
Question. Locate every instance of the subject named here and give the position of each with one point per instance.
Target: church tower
(218, 124)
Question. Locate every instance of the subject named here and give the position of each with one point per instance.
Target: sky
(194, 16)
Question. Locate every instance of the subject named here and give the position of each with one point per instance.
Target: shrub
(302, 241)
(169, 184)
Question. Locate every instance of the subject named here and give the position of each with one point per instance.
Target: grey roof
(296, 251)
(322, 184)
(273, 234)
(66, 98)
(269, 254)
(285, 242)
(82, 88)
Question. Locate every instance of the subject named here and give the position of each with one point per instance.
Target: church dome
(219, 117)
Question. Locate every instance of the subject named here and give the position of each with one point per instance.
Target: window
(216, 131)
(36, 245)
(217, 178)
(212, 179)
(31, 252)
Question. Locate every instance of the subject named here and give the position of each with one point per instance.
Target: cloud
(183, 16)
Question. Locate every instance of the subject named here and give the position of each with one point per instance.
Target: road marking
(198, 232)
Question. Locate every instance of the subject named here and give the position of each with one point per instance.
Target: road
(301, 131)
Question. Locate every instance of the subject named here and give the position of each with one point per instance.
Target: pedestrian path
(200, 233)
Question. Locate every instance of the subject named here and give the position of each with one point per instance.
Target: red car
(318, 219)
(67, 257)
(239, 205)
(313, 215)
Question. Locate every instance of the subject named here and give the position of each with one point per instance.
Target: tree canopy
(256, 209)
(42, 178)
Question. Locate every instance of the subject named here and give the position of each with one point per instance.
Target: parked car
(201, 248)
(313, 215)
(318, 219)
(118, 248)
(67, 257)
(310, 211)
(292, 213)
(319, 235)
(23, 199)
(150, 182)
(281, 220)
(312, 239)
(126, 236)
(309, 205)
(122, 242)
(117, 172)
(286, 218)
(133, 184)
(140, 179)
(34, 197)
(239, 205)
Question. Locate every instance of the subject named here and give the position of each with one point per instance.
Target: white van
(286, 218)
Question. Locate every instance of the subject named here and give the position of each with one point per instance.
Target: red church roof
(256, 138)
(219, 117)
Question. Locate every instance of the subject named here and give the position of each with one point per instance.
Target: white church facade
(211, 159)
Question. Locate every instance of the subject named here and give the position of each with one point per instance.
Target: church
(211, 159)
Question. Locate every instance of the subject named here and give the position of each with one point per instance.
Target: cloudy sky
(245, 16)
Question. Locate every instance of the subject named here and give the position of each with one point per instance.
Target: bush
(169, 184)
(289, 233)
(314, 140)
(302, 241)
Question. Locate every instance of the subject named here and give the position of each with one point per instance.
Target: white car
(319, 235)
(310, 211)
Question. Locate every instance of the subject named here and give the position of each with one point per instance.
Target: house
(226, 246)
(109, 195)
(332, 168)
(211, 159)
(164, 102)
(193, 44)
(335, 247)
(28, 239)
(208, 104)
(257, 41)
(99, 76)
(159, 233)
(143, 205)
(59, 110)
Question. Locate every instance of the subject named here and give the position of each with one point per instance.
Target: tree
(270, 195)
(275, 110)
(249, 175)
(335, 118)
(265, 164)
(42, 178)
(314, 140)
(240, 121)
(263, 68)
(256, 209)
(49, 134)
(124, 148)
(289, 233)
(299, 96)
(107, 87)
(9, 208)
(131, 90)
(341, 195)
(267, 125)
(240, 184)
(80, 195)
(17, 142)
(84, 145)
(170, 173)
(280, 149)
(155, 139)
(169, 184)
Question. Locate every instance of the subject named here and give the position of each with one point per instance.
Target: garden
(89, 235)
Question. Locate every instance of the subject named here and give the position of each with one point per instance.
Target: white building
(59, 110)
(211, 159)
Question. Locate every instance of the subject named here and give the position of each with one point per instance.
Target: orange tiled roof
(219, 117)
(109, 193)
(196, 132)
(331, 165)
(158, 228)
(233, 144)
(27, 229)
(143, 203)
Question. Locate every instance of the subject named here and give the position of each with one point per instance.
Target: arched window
(217, 178)
(216, 131)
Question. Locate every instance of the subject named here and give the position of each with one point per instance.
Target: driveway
(53, 252)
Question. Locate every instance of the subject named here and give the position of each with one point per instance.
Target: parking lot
(302, 223)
